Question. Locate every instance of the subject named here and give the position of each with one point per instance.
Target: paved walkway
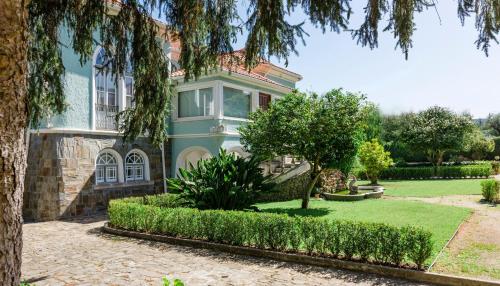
(77, 253)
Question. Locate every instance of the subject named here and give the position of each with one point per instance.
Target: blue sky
(444, 67)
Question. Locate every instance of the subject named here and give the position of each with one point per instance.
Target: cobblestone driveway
(76, 253)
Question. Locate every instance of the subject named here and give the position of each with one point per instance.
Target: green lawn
(430, 188)
(440, 220)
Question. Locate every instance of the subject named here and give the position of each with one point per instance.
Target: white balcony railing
(105, 117)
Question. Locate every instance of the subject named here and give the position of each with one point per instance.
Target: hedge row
(448, 172)
(379, 243)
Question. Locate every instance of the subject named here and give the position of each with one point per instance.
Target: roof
(257, 73)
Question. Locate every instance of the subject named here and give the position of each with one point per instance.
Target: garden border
(413, 275)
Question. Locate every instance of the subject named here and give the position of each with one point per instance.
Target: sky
(444, 66)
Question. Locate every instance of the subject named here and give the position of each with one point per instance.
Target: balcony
(105, 117)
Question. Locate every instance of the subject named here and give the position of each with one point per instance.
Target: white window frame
(145, 165)
(121, 96)
(254, 100)
(196, 87)
(118, 168)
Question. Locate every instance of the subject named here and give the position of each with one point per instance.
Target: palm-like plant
(222, 182)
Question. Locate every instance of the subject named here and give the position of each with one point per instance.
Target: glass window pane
(206, 94)
(236, 102)
(111, 174)
(189, 104)
(129, 86)
(99, 173)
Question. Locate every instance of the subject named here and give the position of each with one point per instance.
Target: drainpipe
(163, 167)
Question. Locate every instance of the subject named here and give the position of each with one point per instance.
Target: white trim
(119, 162)
(76, 131)
(194, 118)
(203, 135)
(239, 150)
(146, 162)
(180, 158)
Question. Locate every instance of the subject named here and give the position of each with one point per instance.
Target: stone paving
(77, 253)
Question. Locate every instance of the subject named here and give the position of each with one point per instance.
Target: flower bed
(373, 242)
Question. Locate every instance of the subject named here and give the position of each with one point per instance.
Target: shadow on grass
(316, 212)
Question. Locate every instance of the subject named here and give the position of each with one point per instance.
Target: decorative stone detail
(60, 178)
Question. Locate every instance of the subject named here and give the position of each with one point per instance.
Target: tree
(437, 130)
(373, 121)
(478, 145)
(31, 59)
(374, 159)
(493, 124)
(324, 130)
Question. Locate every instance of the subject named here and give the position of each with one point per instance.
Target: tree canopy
(437, 130)
(324, 130)
(206, 29)
(493, 124)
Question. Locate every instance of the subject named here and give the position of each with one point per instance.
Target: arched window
(106, 168)
(104, 80)
(134, 167)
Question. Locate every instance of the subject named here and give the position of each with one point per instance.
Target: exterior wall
(60, 178)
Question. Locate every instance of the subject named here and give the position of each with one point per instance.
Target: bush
(490, 190)
(222, 182)
(164, 200)
(448, 172)
(375, 159)
(495, 165)
(376, 242)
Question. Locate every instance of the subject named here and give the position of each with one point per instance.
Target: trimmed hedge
(445, 172)
(167, 200)
(375, 242)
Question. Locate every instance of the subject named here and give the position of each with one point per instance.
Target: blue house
(77, 161)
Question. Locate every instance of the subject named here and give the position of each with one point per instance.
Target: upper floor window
(129, 86)
(106, 168)
(105, 82)
(264, 100)
(237, 103)
(199, 102)
(134, 167)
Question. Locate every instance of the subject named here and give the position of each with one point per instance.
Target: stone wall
(60, 178)
(290, 189)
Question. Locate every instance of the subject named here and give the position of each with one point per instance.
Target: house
(77, 161)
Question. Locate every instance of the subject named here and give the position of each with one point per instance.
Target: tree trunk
(310, 187)
(13, 123)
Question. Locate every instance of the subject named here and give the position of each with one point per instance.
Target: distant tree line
(434, 135)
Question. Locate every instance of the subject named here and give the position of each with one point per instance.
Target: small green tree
(374, 159)
(493, 124)
(325, 130)
(478, 145)
(436, 131)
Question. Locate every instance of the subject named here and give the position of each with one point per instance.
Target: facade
(77, 161)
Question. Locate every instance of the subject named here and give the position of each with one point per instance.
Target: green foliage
(478, 145)
(325, 130)
(374, 159)
(391, 137)
(372, 121)
(221, 182)
(495, 165)
(176, 282)
(450, 172)
(370, 241)
(493, 124)
(490, 190)
(435, 131)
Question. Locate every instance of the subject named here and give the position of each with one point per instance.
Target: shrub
(449, 172)
(495, 165)
(375, 159)
(222, 182)
(376, 242)
(490, 190)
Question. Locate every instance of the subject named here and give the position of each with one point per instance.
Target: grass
(430, 188)
(440, 220)
(468, 261)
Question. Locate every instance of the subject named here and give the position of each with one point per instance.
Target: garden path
(475, 249)
(77, 253)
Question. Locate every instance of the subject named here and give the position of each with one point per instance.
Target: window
(134, 167)
(104, 81)
(106, 168)
(129, 87)
(236, 102)
(264, 100)
(199, 102)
